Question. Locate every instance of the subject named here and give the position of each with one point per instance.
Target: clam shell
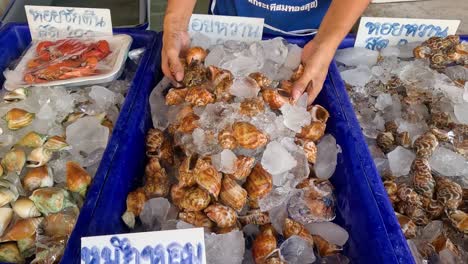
(10, 253)
(199, 96)
(449, 193)
(23, 228)
(261, 79)
(14, 161)
(226, 139)
(259, 183)
(421, 177)
(407, 226)
(223, 216)
(195, 199)
(319, 113)
(16, 95)
(414, 212)
(198, 219)
(313, 132)
(77, 178)
(56, 143)
(244, 166)
(51, 200)
(18, 118)
(32, 140)
(408, 195)
(326, 248)
(6, 214)
(6, 196)
(207, 177)
(38, 157)
(25, 208)
(293, 228)
(248, 136)
(232, 194)
(195, 54)
(252, 107)
(425, 145)
(264, 245)
(176, 96)
(37, 178)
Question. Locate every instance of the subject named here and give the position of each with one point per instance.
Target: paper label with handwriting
(170, 247)
(53, 22)
(227, 27)
(376, 33)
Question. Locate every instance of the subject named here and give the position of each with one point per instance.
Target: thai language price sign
(53, 22)
(376, 33)
(169, 247)
(227, 27)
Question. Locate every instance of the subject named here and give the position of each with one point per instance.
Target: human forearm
(178, 14)
(338, 20)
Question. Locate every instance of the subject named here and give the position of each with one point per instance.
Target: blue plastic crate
(375, 237)
(15, 38)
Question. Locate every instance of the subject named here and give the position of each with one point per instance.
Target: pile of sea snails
(241, 160)
(416, 126)
(52, 140)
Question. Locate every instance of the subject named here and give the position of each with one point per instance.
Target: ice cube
(461, 111)
(275, 50)
(158, 105)
(432, 230)
(448, 163)
(270, 69)
(406, 51)
(278, 215)
(241, 65)
(200, 40)
(198, 136)
(46, 113)
(276, 159)
(244, 88)
(327, 154)
(448, 257)
(275, 198)
(331, 232)
(296, 250)
(154, 213)
(102, 96)
(184, 225)
(379, 122)
(415, 252)
(282, 178)
(359, 76)
(225, 248)
(383, 101)
(400, 160)
(225, 161)
(357, 56)
(87, 135)
(294, 56)
(283, 74)
(390, 51)
(296, 116)
(465, 92)
(215, 56)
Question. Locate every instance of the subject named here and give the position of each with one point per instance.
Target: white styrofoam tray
(118, 44)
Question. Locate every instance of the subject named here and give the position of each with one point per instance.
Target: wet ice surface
(296, 250)
(400, 160)
(327, 154)
(331, 232)
(225, 248)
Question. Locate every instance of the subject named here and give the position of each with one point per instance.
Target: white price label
(53, 22)
(171, 246)
(376, 33)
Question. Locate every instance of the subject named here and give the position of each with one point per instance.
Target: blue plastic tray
(15, 38)
(375, 237)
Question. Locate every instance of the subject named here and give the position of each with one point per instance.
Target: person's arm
(319, 52)
(175, 38)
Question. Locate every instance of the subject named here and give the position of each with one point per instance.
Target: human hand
(316, 60)
(175, 42)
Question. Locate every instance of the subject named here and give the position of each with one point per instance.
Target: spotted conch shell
(276, 98)
(261, 79)
(199, 96)
(259, 183)
(313, 132)
(244, 165)
(232, 194)
(326, 248)
(248, 136)
(252, 107)
(195, 54)
(226, 139)
(459, 220)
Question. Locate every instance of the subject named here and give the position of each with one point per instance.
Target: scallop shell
(264, 245)
(403, 139)
(252, 107)
(197, 219)
(385, 141)
(275, 98)
(207, 177)
(391, 187)
(38, 157)
(314, 131)
(459, 220)
(248, 136)
(176, 96)
(158, 185)
(37, 178)
(433, 208)
(255, 217)
(10, 253)
(408, 195)
(223, 216)
(154, 140)
(319, 113)
(293, 228)
(261, 79)
(23, 228)
(226, 139)
(449, 193)
(326, 248)
(391, 126)
(407, 226)
(297, 74)
(25, 208)
(32, 140)
(425, 145)
(51, 200)
(232, 194)
(18, 118)
(195, 199)
(188, 123)
(16, 95)
(14, 161)
(6, 196)
(199, 96)
(60, 224)
(421, 176)
(6, 214)
(195, 54)
(135, 202)
(244, 166)
(56, 143)
(77, 178)
(259, 183)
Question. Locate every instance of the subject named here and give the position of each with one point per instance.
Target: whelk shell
(157, 185)
(198, 219)
(259, 183)
(440, 119)
(25, 208)
(425, 145)
(314, 131)
(403, 139)
(18, 118)
(276, 98)
(407, 226)
(16, 95)
(166, 152)
(23, 228)
(56, 143)
(252, 107)
(10, 253)
(135, 202)
(176, 96)
(195, 54)
(199, 96)
(188, 123)
(152, 167)
(51, 200)
(244, 165)
(261, 79)
(407, 194)
(223, 216)
(421, 177)
(292, 228)
(391, 126)
(6, 214)
(449, 193)
(38, 157)
(264, 245)
(433, 208)
(27, 246)
(37, 178)
(226, 139)
(177, 194)
(6, 196)
(14, 161)
(77, 178)
(32, 140)
(442, 135)
(232, 194)
(255, 217)
(326, 248)
(459, 220)
(195, 199)
(195, 74)
(385, 141)
(310, 150)
(319, 113)
(391, 187)
(421, 52)
(207, 177)
(60, 224)
(186, 176)
(415, 212)
(248, 136)
(154, 140)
